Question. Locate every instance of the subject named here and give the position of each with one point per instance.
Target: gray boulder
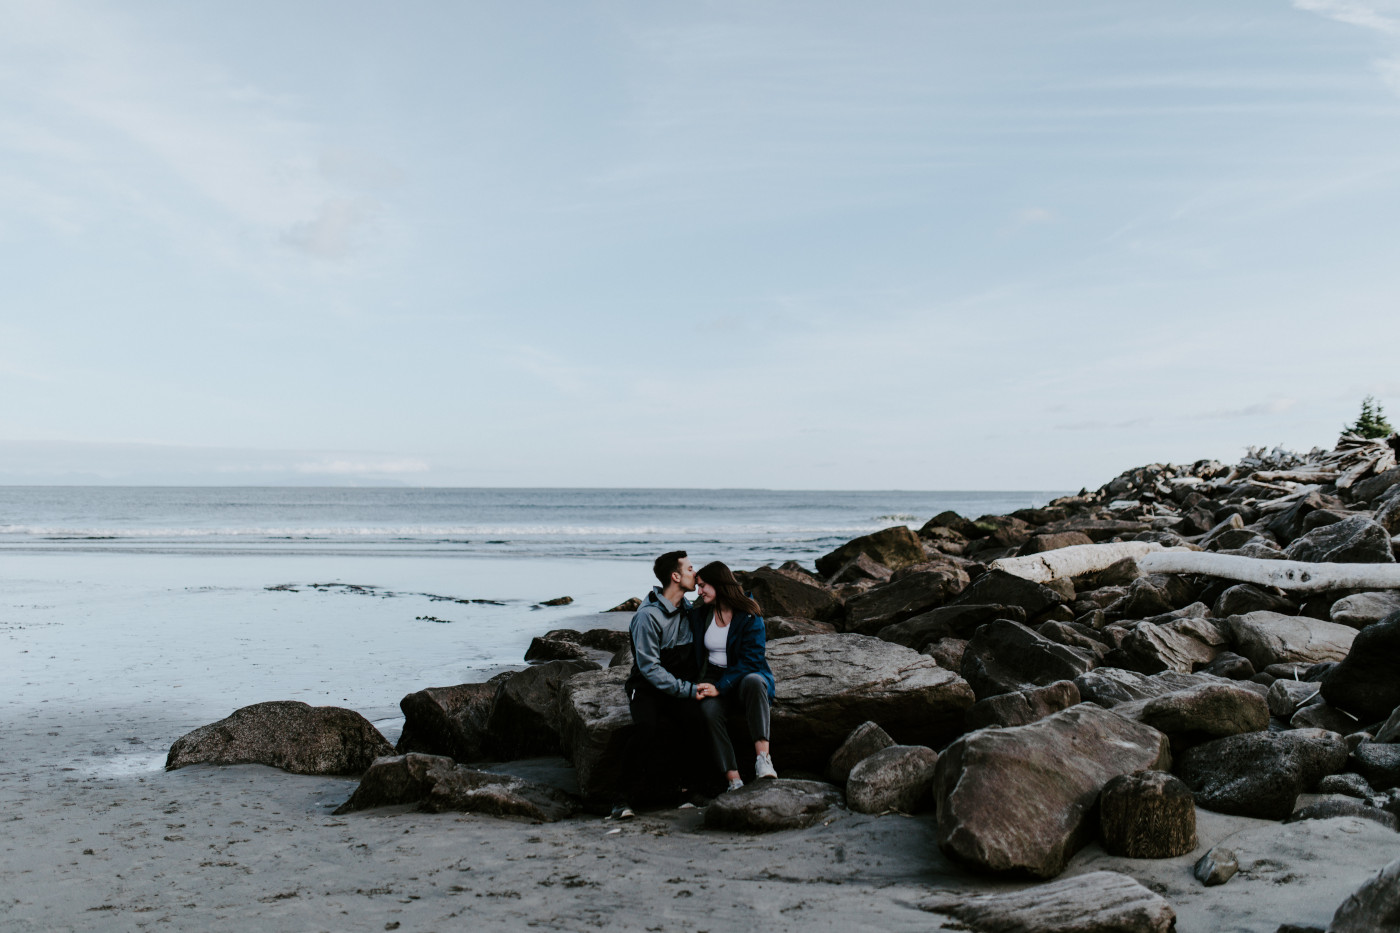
(1151, 648)
(1206, 711)
(436, 784)
(1286, 695)
(1217, 866)
(946, 622)
(1261, 774)
(1150, 814)
(1348, 783)
(1354, 540)
(1023, 799)
(783, 627)
(1367, 681)
(1038, 544)
(997, 587)
(594, 724)
(1372, 908)
(449, 721)
(1267, 638)
(1111, 686)
(1319, 715)
(524, 716)
(858, 569)
(769, 806)
(1361, 609)
(1004, 656)
(865, 740)
(395, 780)
(894, 547)
(1378, 763)
(783, 594)
(1230, 665)
(1322, 806)
(903, 598)
(829, 684)
(1245, 597)
(896, 778)
(1097, 902)
(1022, 706)
(948, 652)
(285, 734)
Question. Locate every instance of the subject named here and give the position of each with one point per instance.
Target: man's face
(685, 575)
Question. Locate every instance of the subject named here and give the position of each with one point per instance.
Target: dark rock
(829, 684)
(781, 595)
(1285, 695)
(524, 717)
(1021, 707)
(1117, 574)
(1288, 525)
(1367, 681)
(1041, 516)
(1153, 595)
(783, 627)
(1321, 715)
(953, 522)
(902, 599)
(1228, 664)
(627, 605)
(946, 622)
(1217, 866)
(1004, 656)
(569, 645)
(1327, 806)
(1362, 609)
(1023, 799)
(896, 778)
(948, 652)
(1001, 535)
(1110, 686)
(594, 723)
(1039, 544)
(1261, 774)
(1269, 638)
(1324, 517)
(623, 658)
(465, 790)
(1374, 486)
(1390, 729)
(1372, 908)
(396, 780)
(1206, 711)
(1149, 814)
(1073, 635)
(1388, 516)
(1244, 597)
(944, 540)
(284, 734)
(769, 806)
(1348, 783)
(1150, 649)
(860, 568)
(1098, 529)
(865, 740)
(997, 587)
(894, 547)
(449, 721)
(1356, 540)
(1378, 763)
(544, 648)
(1097, 902)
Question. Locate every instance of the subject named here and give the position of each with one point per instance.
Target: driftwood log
(1292, 575)
(1074, 560)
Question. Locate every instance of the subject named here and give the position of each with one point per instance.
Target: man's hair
(666, 565)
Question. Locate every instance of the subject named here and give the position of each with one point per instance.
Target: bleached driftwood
(1293, 575)
(1293, 476)
(1073, 560)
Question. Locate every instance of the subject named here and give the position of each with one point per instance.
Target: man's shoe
(763, 768)
(621, 812)
(735, 784)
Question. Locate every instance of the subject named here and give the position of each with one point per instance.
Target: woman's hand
(705, 690)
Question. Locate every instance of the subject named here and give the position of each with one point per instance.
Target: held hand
(705, 690)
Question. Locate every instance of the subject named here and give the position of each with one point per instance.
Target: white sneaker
(735, 784)
(763, 768)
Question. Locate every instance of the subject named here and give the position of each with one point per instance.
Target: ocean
(144, 612)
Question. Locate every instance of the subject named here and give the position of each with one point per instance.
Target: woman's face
(707, 592)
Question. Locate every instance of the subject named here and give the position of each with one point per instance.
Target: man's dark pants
(666, 750)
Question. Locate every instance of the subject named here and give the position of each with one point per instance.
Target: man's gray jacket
(659, 628)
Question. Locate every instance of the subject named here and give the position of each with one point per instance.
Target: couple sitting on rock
(694, 666)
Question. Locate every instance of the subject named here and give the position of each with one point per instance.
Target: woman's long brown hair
(728, 592)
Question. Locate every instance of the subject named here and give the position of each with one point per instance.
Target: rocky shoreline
(1030, 714)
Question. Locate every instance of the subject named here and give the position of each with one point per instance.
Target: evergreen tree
(1372, 423)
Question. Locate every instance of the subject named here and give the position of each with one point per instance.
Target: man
(661, 690)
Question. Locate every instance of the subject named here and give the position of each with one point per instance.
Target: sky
(815, 245)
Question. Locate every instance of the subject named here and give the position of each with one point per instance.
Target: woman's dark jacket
(745, 648)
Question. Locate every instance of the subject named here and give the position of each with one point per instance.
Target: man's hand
(705, 690)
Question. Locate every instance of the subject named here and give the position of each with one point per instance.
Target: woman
(730, 639)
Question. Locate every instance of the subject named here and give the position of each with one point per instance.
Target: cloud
(331, 234)
(1372, 15)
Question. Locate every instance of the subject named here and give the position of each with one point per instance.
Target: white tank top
(716, 642)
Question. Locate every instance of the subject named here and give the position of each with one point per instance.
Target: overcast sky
(920, 245)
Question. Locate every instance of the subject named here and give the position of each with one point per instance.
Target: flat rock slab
(286, 734)
(830, 684)
(771, 805)
(1271, 638)
(1097, 902)
(1023, 799)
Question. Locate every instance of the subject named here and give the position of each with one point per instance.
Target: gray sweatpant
(749, 701)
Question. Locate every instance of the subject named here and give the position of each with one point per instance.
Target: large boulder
(1361, 609)
(1110, 686)
(1097, 902)
(1206, 711)
(1378, 763)
(865, 740)
(1039, 544)
(524, 718)
(1150, 814)
(449, 721)
(1367, 681)
(437, 785)
(1245, 597)
(1354, 540)
(947, 622)
(1261, 774)
(594, 725)
(1021, 707)
(769, 806)
(1151, 648)
(1372, 908)
(894, 778)
(1270, 638)
(784, 627)
(1005, 656)
(782, 594)
(567, 644)
(285, 734)
(1023, 799)
(894, 547)
(903, 598)
(395, 780)
(997, 587)
(829, 684)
